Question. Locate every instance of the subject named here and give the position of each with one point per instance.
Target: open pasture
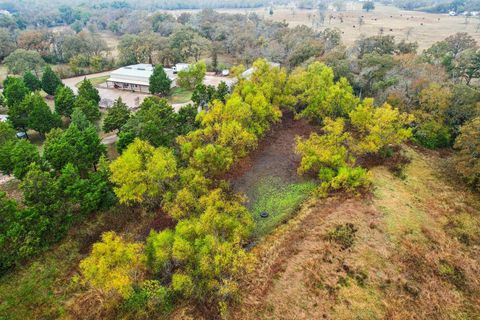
(425, 28)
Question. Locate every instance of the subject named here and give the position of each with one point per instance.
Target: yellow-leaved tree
(142, 172)
(328, 150)
(328, 156)
(114, 265)
(434, 101)
(378, 127)
(228, 131)
(204, 256)
(182, 202)
(317, 95)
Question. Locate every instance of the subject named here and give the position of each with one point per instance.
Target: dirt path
(405, 260)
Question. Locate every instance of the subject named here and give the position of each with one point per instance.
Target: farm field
(425, 28)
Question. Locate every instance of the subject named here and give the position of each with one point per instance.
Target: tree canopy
(64, 101)
(160, 83)
(21, 61)
(142, 172)
(40, 118)
(117, 116)
(192, 76)
(88, 91)
(50, 81)
(468, 146)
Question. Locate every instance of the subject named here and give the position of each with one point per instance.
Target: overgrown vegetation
(364, 103)
(202, 256)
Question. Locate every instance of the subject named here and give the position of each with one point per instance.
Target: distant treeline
(16, 5)
(437, 6)
(52, 13)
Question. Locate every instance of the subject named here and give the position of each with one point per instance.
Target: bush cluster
(352, 128)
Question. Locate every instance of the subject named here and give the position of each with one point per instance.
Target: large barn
(134, 77)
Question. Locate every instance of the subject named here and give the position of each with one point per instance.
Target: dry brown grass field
(425, 28)
(407, 251)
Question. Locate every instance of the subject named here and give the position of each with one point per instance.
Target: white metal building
(134, 78)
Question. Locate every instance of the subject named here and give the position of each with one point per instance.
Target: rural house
(134, 77)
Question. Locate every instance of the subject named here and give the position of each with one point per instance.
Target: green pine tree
(40, 118)
(88, 91)
(116, 117)
(88, 107)
(14, 91)
(31, 81)
(50, 81)
(64, 101)
(80, 119)
(159, 81)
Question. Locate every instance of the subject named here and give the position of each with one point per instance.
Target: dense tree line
(29, 50)
(439, 87)
(201, 258)
(65, 182)
(352, 128)
(438, 6)
(164, 39)
(435, 86)
(159, 38)
(79, 14)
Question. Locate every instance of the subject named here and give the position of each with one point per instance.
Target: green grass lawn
(95, 81)
(279, 199)
(180, 95)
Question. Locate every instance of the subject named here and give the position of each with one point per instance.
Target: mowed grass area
(180, 95)
(425, 28)
(95, 81)
(280, 200)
